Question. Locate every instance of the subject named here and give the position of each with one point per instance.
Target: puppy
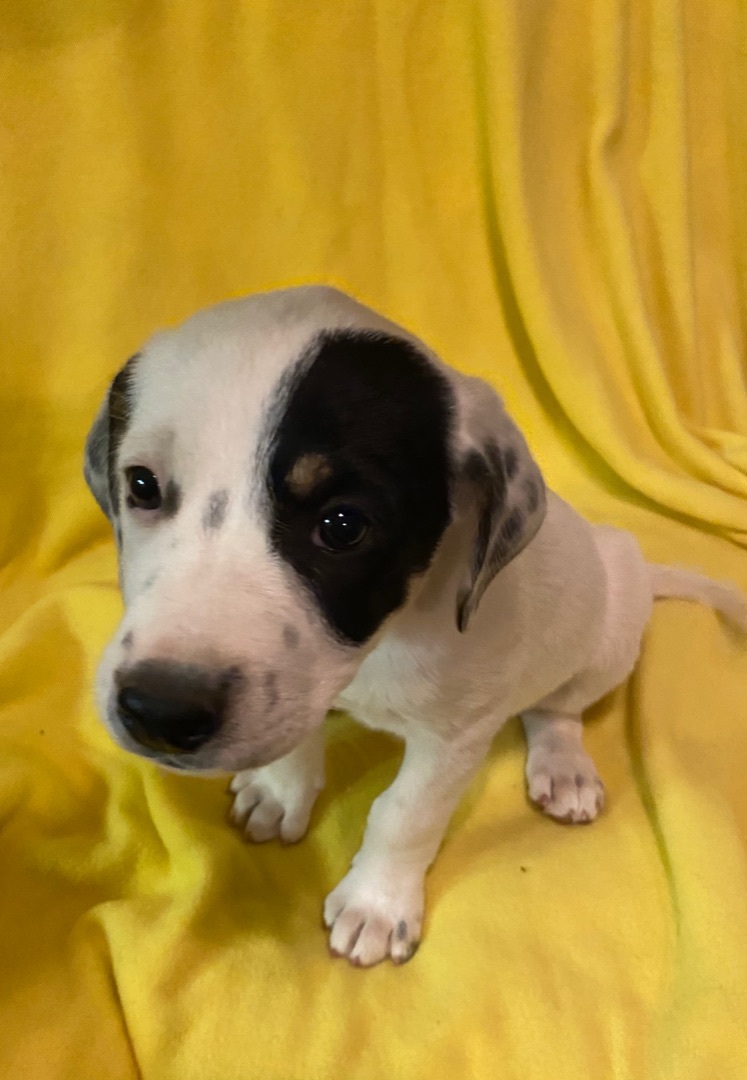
(312, 511)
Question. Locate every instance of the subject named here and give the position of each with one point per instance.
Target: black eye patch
(369, 419)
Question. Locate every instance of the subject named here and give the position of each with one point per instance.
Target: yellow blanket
(554, 195)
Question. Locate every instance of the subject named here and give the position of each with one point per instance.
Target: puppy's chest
(394, 688)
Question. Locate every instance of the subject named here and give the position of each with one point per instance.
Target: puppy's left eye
(144, 492)
(341, 528)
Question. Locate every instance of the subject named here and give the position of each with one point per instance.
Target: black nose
(164, 724)
(173, 708)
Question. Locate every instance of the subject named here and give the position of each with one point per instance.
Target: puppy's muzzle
(174, 708)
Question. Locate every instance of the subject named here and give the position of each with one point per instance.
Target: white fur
(682, 584)
(558, 628)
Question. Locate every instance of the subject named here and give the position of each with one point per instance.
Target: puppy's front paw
(564, 783)
(373, 914)
(269, 803)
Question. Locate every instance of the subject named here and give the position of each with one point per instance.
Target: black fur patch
(511, 529)
(533, 494)
(96, 450)
(381, 414)
(507, 517)
(485, 472)
(215, 511)
(120, 408)
(270, 685)
(291, 636)
(510, 462)
(103, 441)
(172, 499)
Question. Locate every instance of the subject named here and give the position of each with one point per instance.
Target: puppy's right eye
(143, 490)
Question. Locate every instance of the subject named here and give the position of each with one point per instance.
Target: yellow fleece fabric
(554, 196)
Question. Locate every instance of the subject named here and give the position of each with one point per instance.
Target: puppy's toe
(540, 786)
(371, 919)
(265, 820)
(566, 786)
(264, 810)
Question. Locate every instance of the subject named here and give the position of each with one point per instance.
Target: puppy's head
(279, 471)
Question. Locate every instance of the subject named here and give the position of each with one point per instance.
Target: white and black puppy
(313, 511)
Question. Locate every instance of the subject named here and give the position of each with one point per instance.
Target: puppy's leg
(561, 777)
(277, 800)
(377, 909)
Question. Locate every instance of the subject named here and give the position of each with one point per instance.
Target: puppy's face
(278, 471)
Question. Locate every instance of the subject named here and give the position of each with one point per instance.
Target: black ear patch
(379, 415)
(509, 495)
(487, 475)
(99, 467)
(120, 407)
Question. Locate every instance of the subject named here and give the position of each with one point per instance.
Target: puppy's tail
(681, 584)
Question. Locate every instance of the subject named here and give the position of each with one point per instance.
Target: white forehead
(253, 340)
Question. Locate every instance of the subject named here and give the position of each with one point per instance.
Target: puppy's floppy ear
(503, 481)
(104, 437)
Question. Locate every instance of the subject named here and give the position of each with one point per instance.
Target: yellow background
(554, 195)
